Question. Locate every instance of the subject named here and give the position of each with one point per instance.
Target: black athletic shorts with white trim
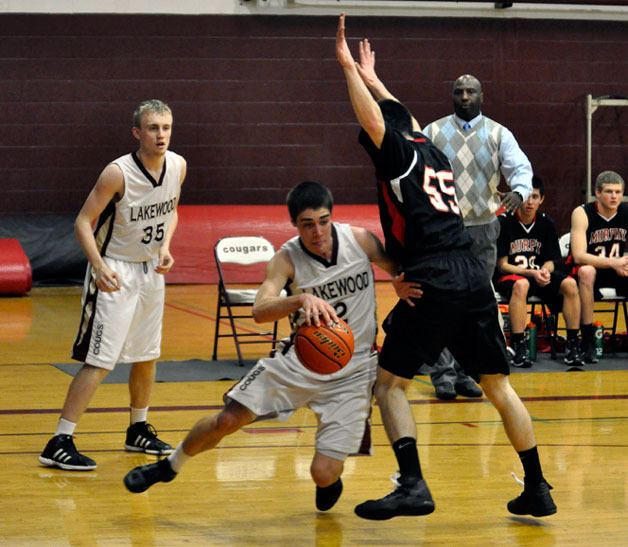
(464, 319)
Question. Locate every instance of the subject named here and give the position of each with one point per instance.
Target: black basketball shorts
(463, 319)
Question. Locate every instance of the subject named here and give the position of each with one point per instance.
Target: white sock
(178, 458)
(65, 427)
(138, 414)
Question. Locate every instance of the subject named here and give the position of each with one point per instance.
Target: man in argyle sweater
(480, 151)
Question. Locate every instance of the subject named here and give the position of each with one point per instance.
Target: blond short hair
(150, 105)
(608, 177)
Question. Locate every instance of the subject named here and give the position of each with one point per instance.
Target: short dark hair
(537, 183)
(308, 195)
(396, 115)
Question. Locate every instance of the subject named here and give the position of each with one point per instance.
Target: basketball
(326, 348)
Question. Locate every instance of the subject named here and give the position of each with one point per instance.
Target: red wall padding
(16, 276)
(201, 226)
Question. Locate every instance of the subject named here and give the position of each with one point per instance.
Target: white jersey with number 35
(133, 228)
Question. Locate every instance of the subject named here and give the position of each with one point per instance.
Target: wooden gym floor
(255, 488)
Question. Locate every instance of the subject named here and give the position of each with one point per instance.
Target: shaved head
(467, 95)
(467, 80)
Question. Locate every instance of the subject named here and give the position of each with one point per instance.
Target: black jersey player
(528, 254)
(598, 244)
(424, 232)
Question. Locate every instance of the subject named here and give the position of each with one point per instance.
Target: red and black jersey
(606, 237)
(529, 246)
(417, 198)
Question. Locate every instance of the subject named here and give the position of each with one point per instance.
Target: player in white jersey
(125, 228)
(327, 268)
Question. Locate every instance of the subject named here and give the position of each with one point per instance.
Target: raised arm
(366, 69)
(366, 109)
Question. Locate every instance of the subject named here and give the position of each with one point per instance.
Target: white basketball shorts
(277, 386)
(125, 325)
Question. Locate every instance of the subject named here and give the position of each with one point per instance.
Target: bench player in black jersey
(598, 244)
(527, 255)
(425, 234)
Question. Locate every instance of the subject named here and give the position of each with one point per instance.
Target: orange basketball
(326, 348)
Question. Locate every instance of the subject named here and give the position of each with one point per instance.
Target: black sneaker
(142, 437)
(521, 359)
(536, 501)
(408, 500)
(589, 353)
(468, 388)
(445, 391)
(142, 478)
(573, 356)
(60, 452)
(327, 497)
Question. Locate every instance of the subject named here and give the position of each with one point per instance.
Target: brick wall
(260, 103)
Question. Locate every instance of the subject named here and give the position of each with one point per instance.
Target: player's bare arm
(366, 69)
(109, 186)
(270, 306)
(367, 111)
(372, 246)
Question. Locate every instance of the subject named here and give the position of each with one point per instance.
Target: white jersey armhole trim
(396, 183)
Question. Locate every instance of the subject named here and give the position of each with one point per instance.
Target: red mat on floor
(201, 226)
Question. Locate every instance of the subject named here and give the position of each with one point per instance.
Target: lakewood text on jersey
(153, 210)
(340, 287)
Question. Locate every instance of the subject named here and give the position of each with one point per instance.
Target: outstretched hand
(366, 65)
(511, 200)
(406, 290)
(343, 53)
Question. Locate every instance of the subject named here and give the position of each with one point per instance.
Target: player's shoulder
(172, 155)
(545, 217)
(507, 217)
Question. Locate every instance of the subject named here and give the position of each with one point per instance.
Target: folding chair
(609, 303)
(240, 254)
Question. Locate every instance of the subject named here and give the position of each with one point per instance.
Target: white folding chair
(240, 255)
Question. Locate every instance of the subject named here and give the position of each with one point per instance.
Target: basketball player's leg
(81, 391)
(568, 289)
(203, 436)
(412, 496)
(326, 473)
(253, 396)
(141, 381)
(141, 436)
(397, 417)
(209, 431)
(586, 286)
(104, 325)
(514, 414)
